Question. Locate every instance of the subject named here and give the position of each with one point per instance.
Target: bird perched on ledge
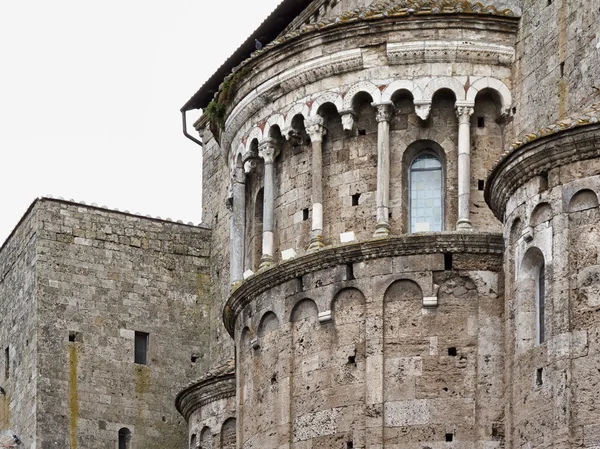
(258, 45)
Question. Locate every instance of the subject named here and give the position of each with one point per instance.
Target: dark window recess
(194, 358)
(362, 132)
(449, 437)
(480, 184)
(543, 182)
(481, 122)
(124, 438)
(355, 199)
(274, 379)
(300, 281)
(350, 272)
(447, 261)
(549, 2)
(7, 362)
(352, 360)
(141, 348)
(350, 445)
(304, 214)
(389, 215)
(562, 69)
(452, 352)
(539, 377)
(514, 110)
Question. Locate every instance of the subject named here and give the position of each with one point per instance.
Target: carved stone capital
(464, 111)
(423, 108)
(239, 175)
(315, 128)
(384, 111)
(268, 150)
(348, 119)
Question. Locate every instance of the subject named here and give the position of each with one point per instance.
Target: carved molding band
(450, 51)
(205, 392)
(412, 244)
(537, 158)
(303, 74)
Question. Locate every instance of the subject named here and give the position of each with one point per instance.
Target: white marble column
(384, 115)
(268, 152)
(464, 112)
(316, 130)
(238, 227)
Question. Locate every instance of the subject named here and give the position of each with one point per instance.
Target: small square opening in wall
(539, 377)
(449, 437)
(452, 352)
(349, 445)
(75, 337)
(481, 122)
(362, 132)
(305, 213)
(480, 184)
(355, 199)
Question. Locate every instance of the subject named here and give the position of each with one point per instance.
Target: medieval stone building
(400, 249)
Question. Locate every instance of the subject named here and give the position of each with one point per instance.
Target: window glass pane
(426, 194)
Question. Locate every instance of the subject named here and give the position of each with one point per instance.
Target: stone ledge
(536, 158)
(214, 386)
(410, 244)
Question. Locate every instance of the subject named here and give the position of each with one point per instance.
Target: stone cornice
(411, 244)
(204, 392)
(537, 157)
(449, 51)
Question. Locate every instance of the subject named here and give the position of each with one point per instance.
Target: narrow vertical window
(425, 194)
(6, 363)
(193, 442)
(124, 438)
(141, 348)
(541, 304)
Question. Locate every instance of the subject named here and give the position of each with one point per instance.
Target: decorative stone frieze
(449, 52)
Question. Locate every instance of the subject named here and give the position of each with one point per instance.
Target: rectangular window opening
(350, 272)
(543, 182)
(305, 214)
(447, 261)
(300, 281)
(141, 348)
(562, 69)
(452, 352)
(350, 445)
(449, 437)
(7, 362)
(355, 199)
(549, 2)
(480, 184)
(539, 377)
(481, 122)
(362, 132)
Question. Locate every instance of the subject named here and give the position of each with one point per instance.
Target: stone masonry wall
(18, 331)
(554, 223)
(385, 372)
(101, 277)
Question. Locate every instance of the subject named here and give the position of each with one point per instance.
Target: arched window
(193, 443)
(124, 438)
(541, 303)
(425, 179)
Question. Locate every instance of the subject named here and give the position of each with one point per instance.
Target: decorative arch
(274, 120)
(328, 97)
(347, 305)
(541, 214)
(446, 82)
(193, 442)
(206, 438)
(297, 109)
(228, 434)
(531, 299)
(583, 200)
(304, 308)
(255, 134)
(494, 84)
(268, 323)
(362, 86)
(398, 85)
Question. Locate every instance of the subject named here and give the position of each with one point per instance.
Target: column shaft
(238, 225)
(268, 153)
(384, 114)
(316, 130)
(464, 167)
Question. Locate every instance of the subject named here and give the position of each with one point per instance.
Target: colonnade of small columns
(315, 128)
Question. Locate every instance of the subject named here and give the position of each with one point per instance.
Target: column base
(266, 262)
(464, 225)
(316, 243)
(382, 230)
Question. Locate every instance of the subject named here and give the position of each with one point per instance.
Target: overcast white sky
(90, 95)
